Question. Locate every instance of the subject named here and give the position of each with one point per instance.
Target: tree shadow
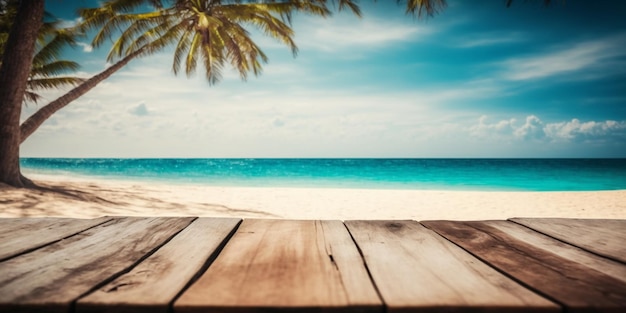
(42, 198)
(68, 192)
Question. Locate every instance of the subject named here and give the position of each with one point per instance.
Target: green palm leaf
(30, 96)
(53, 68)
(46, 64)
(212, 33)
(52, 82)
(208, 32)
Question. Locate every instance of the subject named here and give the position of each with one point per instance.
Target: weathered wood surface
(50, 278)
(174, 264)
(564, 250)
(18, 235)
(600, 236)
(153, 284)
(575, 285)
(417, 270)
(284, 265)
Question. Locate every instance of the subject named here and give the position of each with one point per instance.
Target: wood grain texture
(607, 266)
(50, 278)
(284, 265)
(417, 270)
(153, 284)
(18, 235)
(600, 236)
(578, 287)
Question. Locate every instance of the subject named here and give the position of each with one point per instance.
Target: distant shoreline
(404, 174)
(76, 178)
(88, 198)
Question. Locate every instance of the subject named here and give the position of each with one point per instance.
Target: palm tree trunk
(16, 64)
(34, 121)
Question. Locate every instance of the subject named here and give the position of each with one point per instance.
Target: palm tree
(211, 30)
(14, 73)
(46, 64)
(208, 31)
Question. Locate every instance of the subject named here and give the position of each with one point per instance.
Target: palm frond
(52, 48)
(251, 53)
(30, 96)
(181, 49)
(46, 63)
(127, 43)
(115, 16)
(420, 8)
(213, 30)
(213, 64)
(98, 18)
(130, 5)
(260, 16)
(93, 18)
(54, 68)
(192, 55)
(166, 36)
(154, 39)
(53, 82)
(234, 52)
(351, 5)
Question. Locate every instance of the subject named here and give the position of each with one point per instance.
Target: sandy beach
(87, 198)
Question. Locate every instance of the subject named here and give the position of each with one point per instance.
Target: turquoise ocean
(426, 174)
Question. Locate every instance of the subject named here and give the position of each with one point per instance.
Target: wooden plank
(578, 287)
(18, 235)
(600, 236)
(51, 278)
(284, 265)
(153, 284)
(419, 271)
(607, 266)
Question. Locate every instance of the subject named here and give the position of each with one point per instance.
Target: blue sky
(476, 80)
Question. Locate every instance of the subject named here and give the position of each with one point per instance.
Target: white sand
(72, 197)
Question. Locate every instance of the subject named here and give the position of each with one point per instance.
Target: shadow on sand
(60, 199)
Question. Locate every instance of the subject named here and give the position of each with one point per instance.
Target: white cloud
(570, 59)
(70, 23)
(485, 129)
(86, 47)
(269, 116)
(288, 112)
(534, 129)
(531, 130)
(337, 34)
(575, 130)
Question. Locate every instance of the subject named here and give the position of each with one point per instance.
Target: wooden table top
(187, 264)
